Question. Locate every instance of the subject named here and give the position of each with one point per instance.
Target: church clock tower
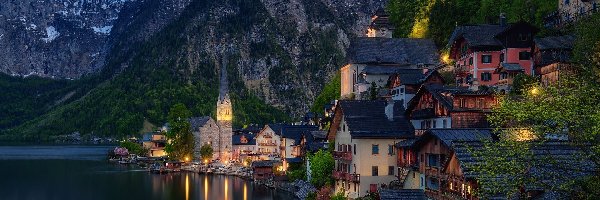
(224, 118)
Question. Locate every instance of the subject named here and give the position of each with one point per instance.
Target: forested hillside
(436, 19)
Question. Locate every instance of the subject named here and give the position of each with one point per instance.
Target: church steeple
(224, 110)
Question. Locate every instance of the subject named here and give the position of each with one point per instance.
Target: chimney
(389, 110)
(474, 85)
(502, 19)
(425, 70)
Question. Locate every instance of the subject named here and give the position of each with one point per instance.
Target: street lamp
(535, 91)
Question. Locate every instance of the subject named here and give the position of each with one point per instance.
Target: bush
(134, 148)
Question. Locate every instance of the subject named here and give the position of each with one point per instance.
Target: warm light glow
(205, 160)
(187, 159)
(205, 187)
(245, 192)
(187, 187)
(226, 188)
(446, 58)
(421, 21)
(534, 91)
(523, 135)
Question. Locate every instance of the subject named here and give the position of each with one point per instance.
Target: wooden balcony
(344, 176)
(461, 69)
(267, 144)
(342, 155)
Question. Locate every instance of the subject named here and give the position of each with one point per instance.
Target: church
(216, 133)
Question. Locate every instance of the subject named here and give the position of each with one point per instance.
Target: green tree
(330, 92)
(321, 163)
(587, 47)
(568, 109)
(180, 139)
(373, 91)
(206, 152)
(134, 148)
(522, 82)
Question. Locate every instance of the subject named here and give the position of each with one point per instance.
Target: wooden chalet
(442, 163)
(404, 84)
(552, 57)
(440, 106)
(480, 49)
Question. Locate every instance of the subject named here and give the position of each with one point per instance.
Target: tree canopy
(321, 163)
(180, 140)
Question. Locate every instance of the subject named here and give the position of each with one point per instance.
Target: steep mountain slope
(280, 53)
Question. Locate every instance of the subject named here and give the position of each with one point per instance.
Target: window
(524, 55)
(390, 149)
(463, 103)
(374, 171)
(344, 127)
(486, 58)
(390, 170)
(354, 149)
(524, 37)
(434, 124)
(432, 160)
(486, 76)
(481, 103)
(471, 61)
(375, 149)
(433, 184)
(404, 152)
(401, 90)
(502, 57)
(423, 124)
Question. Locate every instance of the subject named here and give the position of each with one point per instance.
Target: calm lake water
(80, 172)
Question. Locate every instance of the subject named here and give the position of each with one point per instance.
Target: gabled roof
(197, 122)
(512, 67)
(568, 161)
(565, 42)
(236, 139)
(388, 69)
(478, 35)
(294, 131)
(406, 194)
(399, 51)
(445, 94)
(449, 136)
(367, 119)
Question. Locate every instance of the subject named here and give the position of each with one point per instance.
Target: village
(400, 130)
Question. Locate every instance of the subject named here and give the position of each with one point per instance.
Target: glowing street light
(534, 91)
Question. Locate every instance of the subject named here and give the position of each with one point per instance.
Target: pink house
(491, 54)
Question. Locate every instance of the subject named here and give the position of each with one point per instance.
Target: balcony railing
(267, 144)
(342, 155)
(419, 132)
(461, 69)
(344, 176)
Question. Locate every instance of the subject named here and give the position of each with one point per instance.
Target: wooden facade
(437, 106)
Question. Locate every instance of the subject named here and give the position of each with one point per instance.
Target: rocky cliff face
(55, 38)
(282, 51)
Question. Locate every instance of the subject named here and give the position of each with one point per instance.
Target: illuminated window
(486, 58)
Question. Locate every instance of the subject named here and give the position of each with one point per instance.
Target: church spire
(223, 82)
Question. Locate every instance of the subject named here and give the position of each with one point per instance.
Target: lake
(81, 172)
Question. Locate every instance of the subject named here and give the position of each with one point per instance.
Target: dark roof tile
(402, 51)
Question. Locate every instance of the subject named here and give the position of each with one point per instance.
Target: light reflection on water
(89, 176)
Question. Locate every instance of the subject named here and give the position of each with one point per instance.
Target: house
(268, 142)
(364, 132)
(446, 164)
(244, 147)
(437, 161)
(479, 50)
(263, 169)
(294, 141)
(380, 25)
(552, 57)
(371, 61)
(404, 84)
(570, 11)
(155, 143)
(205, 131)
(440, 106)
